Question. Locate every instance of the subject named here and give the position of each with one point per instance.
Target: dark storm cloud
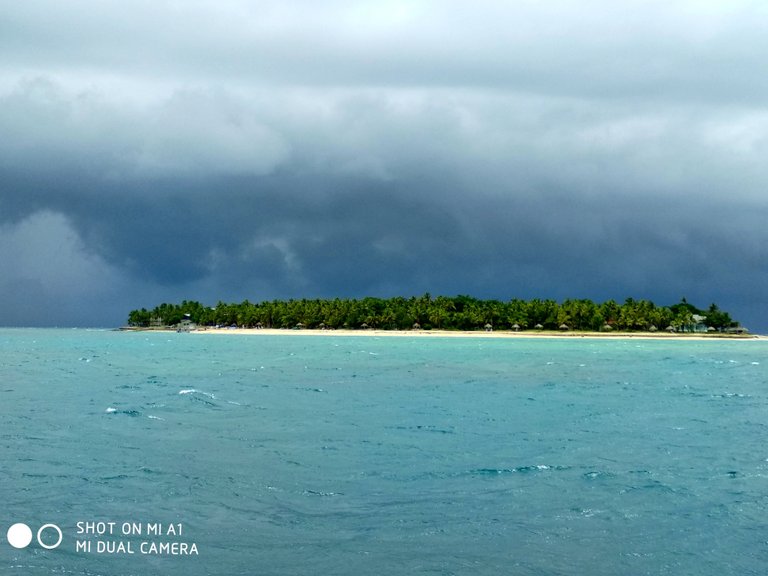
(256, 150)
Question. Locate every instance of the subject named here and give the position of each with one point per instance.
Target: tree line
(441, 312)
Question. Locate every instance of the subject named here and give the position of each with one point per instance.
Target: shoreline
(469, 334)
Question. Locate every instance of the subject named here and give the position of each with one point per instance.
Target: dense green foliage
(441, 312)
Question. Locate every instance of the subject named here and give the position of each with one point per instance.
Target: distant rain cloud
(232, 150)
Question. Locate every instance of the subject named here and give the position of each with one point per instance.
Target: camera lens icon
(20, 536)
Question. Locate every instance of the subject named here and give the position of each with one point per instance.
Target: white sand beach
(475, 334)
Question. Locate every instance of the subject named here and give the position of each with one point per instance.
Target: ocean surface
(295, 455)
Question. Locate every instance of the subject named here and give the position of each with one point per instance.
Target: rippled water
(359, 455)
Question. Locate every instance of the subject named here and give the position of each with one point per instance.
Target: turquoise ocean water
(294, 455)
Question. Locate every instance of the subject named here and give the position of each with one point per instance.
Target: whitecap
(320, 493)
(195, 391)
(132, 413)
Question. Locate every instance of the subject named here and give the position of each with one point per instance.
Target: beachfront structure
(186, 324)
(737, 330)
(698, 323)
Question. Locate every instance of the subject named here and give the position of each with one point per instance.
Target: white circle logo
(19, 535)
(49, 546)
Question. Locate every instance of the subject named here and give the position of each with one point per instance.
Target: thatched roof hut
(736, 330)
(488, 328)
(516, 327)
(564, 327)
(539, 327)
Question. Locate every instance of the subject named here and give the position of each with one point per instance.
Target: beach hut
(606, 328)
(186, 324)
(516, 327)
(488, 328)
(564, 327)
(653, 329)
(670, 329)
(539, 327)
(736, 330)
(416, 326)
(364, 326)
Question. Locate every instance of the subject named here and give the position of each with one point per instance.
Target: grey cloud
(270, 243)
(386, 134)
(188, 133)
(638, 50)
(49, 276)
(259, 149)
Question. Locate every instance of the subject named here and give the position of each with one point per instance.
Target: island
(443, 313)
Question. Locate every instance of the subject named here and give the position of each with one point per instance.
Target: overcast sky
(157, 151)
